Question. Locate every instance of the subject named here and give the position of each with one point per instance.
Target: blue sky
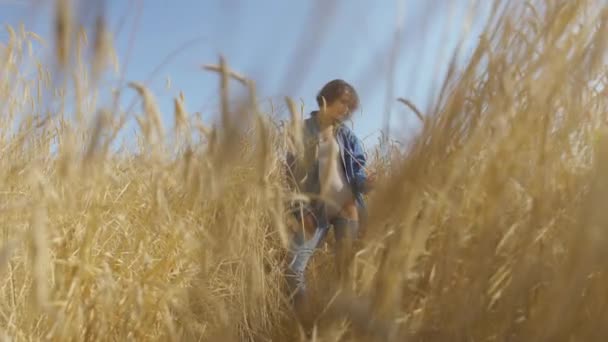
(290, 48)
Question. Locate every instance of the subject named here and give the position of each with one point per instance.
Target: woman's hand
(307, 223)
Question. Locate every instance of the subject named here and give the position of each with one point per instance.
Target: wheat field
(487, 227)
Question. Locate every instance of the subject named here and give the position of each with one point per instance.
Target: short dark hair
(334, 89)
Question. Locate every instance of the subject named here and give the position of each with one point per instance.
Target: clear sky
(290, 48)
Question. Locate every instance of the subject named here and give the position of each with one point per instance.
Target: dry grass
(488, 228)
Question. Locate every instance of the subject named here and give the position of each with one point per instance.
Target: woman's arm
(363, 181)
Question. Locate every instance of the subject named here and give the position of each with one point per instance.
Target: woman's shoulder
(348, 133)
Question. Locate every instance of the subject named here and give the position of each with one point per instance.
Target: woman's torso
(335, 191)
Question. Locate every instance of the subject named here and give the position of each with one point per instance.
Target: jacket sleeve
(359, 164)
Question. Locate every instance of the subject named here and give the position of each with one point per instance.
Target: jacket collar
(315, 122)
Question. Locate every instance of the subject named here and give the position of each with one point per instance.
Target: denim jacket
(306, 168)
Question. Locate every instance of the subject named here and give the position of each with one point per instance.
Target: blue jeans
(345, 231)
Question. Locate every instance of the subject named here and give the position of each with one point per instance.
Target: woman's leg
(303, 247)
(305, 241)
(302, 251)
(346, 230)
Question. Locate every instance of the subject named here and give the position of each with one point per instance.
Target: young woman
(332, 171)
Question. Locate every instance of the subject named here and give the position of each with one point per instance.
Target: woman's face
(339, 109)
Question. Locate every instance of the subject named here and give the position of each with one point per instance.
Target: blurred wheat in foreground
(488, 228)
